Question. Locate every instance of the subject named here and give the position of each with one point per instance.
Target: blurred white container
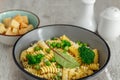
(109, 25)
(87, 17)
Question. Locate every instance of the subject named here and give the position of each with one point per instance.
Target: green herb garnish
(34, 59)
(65, 43)
(31, 59)
(65, 60)
(86, 54)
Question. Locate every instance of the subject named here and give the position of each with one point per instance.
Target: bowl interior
(73, 32)
(33, 19)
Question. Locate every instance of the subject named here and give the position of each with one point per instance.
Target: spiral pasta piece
(78, 59)
(89, 72)
(49, 76)
(23, 56)
(96, 55)
(92, 66)
(73, 51)
(33, 71)
(25, 64)
(64, 37)
(49, 56)
(30, 49)
(49, 69)
(42, 44)
(77, 73)
(38, 52)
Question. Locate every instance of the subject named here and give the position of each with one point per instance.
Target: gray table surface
(51, 12)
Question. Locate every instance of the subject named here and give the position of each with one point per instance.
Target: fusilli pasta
(39, 60)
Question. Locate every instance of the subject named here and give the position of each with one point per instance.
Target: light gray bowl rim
(90, 76)
(2, 12)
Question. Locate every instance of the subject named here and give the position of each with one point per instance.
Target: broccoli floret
(86, 54)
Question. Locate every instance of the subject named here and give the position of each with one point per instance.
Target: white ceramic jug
(109, 24)
(87, 17)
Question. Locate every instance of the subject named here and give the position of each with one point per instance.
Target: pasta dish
(60, 58)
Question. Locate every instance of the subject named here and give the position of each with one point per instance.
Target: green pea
(53, 45)
(58, 66)
(59, 74)
(37, 48)
(58, 45)
(79, 42)
(37, 67)
(66, 48)
(57, 77)
(48, 50)
(85, 44)
(54, 38)
(48, 63)
(53, 59)
(48, 43)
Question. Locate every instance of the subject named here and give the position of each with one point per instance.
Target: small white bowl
(8, 40)
(11, 39)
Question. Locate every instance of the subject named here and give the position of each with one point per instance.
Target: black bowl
(73, 32)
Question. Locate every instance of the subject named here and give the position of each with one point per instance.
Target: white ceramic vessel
(109, 25)
(87, 17)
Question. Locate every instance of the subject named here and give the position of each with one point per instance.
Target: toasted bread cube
(15, 30)
(6, 22)
(18, 18)
(23, 30)
(9, 32)
(25, 19)
(23, 25)
(14, 24)
(1, 24)
(2, 28)
(30, 27)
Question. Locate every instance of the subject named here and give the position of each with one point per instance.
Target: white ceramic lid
(111, 13)
(88, 1)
